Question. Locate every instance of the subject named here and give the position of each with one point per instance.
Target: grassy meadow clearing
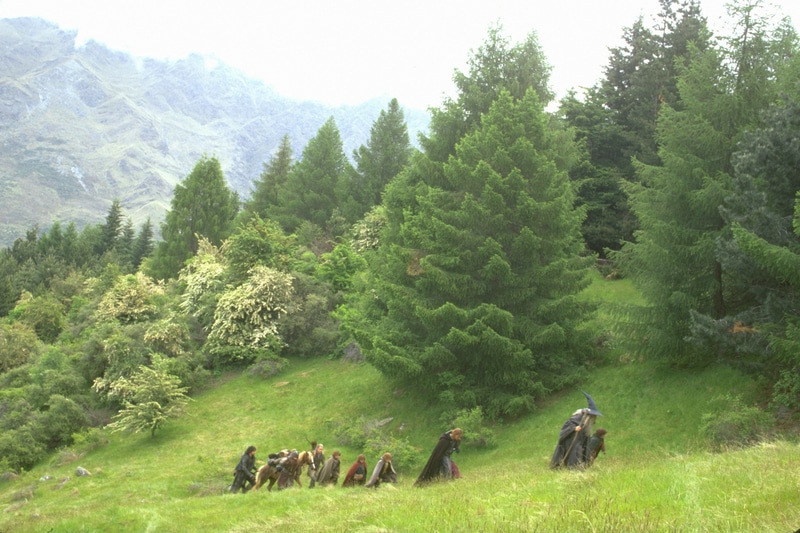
(659, 474)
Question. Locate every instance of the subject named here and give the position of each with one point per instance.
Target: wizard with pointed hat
(572, 449)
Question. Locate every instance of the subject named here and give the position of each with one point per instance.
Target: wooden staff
(584, 419)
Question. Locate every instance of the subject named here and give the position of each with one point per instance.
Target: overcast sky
(348, 51)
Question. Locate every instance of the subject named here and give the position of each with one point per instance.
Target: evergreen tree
(142, 245)
(599, 176)
(264, 196)
(472, 289)
(494, 67)
(674, 259)
(760, 251)
(309, 193)
(383, 157)
(111, 229)
(202, 206)
(124, 244)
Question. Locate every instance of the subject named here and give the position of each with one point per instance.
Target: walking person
(244, 474)
(440, 465)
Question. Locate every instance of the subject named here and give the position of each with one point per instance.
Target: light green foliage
(130, 299)
(124, 352)
(150, 397)
(367, 231)
(258, 242)
(339, 266)
(18, 345)
(203, 279)
(169, 336)
(248, 315)
(471, 421)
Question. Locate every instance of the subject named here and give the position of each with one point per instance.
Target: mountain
(84, 125)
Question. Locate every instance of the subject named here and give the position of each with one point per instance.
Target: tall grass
(658, 474)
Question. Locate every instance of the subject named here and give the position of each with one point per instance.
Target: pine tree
(202, 206)
(674, 259)
(386, 153)
(472, 290)
(143, 244)
(309, 193)
(264, 197)
(111, 229)
(495, 66)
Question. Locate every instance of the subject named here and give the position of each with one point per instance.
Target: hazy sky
(348, 51)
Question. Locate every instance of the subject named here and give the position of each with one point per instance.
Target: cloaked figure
(572, 449)
(440, 464)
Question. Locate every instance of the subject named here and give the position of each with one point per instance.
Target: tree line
(454, 269)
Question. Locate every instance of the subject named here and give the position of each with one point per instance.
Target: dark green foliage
(21, 448)
(308, 328)
(674, 258)
(59, 419)
(471, 290)
(495, 66)
(203, 206)
(598, 177)
(45, 315)
(264, 197)
(142, 245)
(111, 230)
(312, 189)
(735, 424)
(387, 151)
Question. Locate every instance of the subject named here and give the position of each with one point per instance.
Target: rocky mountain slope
(83, 126)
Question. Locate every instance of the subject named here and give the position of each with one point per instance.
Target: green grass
(658, 474)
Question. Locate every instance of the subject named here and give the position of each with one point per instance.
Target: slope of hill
(82, 126)
(659, 473)
(656, 476)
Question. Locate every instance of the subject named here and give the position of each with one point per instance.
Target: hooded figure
(383, 472)
(572, 449)
(329, 474)
(357, 474)
(439, 464)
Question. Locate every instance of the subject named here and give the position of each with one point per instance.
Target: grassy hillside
(658, 474)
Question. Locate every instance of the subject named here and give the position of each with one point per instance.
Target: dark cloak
(435, 467)
(571, 443)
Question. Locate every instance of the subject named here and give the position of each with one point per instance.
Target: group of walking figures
(285, 467)
(577, 448)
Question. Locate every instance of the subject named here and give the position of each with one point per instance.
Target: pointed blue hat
(592, 406)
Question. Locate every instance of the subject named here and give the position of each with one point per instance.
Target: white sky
(348, 51)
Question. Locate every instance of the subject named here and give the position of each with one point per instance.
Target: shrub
(403, 454)
(472, 423)
(735, 424)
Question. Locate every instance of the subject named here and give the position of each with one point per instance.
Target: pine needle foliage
(471, 293)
